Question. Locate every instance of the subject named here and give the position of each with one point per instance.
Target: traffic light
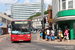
(44, 20)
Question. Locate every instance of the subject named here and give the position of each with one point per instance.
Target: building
(36, 21)
(23, 11)
(64, 16)
(4, 22)
(50, 16)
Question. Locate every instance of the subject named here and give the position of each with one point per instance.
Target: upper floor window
(59, 4)
(63, 4)
(70, 4)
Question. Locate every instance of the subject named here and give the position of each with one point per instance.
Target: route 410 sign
(1, 24)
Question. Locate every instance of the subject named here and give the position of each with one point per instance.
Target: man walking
(48, 34)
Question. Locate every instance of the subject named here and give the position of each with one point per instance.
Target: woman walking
(66, 34)
(60, 34)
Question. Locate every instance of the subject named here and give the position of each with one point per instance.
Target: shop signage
(51, 20)
(1, 24)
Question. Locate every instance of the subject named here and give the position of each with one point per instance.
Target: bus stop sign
(1, 24)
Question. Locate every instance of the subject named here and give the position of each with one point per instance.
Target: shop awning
(63, 18)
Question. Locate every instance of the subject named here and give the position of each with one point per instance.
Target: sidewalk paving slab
(70, 42)
(1, 36)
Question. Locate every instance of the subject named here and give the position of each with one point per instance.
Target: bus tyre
(30, 41)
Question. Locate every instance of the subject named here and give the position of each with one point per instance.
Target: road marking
(43, 49)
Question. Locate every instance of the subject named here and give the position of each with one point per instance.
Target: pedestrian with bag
(41, 34)
(47, 31)
(52, 35)
(66, 34)
(61, 35)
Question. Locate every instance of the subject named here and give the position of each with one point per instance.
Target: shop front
(66, 20)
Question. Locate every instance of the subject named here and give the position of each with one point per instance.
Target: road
(5, 44)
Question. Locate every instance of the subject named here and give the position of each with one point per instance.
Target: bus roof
(21, 20)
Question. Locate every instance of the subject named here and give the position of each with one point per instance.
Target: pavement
(3, 36)
(56, 41)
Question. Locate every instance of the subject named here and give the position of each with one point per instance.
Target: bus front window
(21, 28)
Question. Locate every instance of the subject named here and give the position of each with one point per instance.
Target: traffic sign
(1, 24)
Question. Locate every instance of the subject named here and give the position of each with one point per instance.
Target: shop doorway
(65, 26)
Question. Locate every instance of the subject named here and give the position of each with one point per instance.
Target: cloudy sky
(7, 8)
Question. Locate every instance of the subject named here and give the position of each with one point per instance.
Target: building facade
(23, 11)
(64, 16)
(4, 22)
(36, 21)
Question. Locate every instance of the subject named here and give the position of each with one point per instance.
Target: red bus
(21, 30)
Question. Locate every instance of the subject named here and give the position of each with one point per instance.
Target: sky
(5, 6)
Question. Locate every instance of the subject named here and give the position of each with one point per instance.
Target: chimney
(4, 13)
(50, 16)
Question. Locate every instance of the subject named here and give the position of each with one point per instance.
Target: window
(63, 0)
(4, 20)
(70, 4)
(63, 4)
(8, 21)
(59, 4)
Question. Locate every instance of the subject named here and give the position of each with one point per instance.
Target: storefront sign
(51, 20)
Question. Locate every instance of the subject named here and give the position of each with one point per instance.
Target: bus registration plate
(20, 40)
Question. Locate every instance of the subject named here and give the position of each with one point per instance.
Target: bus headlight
(13, 38)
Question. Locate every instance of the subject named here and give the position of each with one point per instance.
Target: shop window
(70, 4)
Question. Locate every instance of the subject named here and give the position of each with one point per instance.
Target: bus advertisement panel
(21, 31)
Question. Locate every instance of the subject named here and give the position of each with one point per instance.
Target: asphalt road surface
(5, 44)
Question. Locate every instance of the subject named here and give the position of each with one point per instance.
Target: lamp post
(42, 17)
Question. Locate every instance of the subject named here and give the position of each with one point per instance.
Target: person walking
(48, 34)
(41, 34)
(52, 34)
(66, 34)
(59, 33)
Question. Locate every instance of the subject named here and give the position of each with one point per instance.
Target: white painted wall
(55, 5)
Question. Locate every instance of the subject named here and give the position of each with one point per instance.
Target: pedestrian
(52, 32)
(41, 34)
(52, 35)
(59, 32)
(45, 34)
(48, 34)
(66, 34)
(61, 35)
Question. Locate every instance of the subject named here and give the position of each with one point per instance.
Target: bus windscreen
(19, 27)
